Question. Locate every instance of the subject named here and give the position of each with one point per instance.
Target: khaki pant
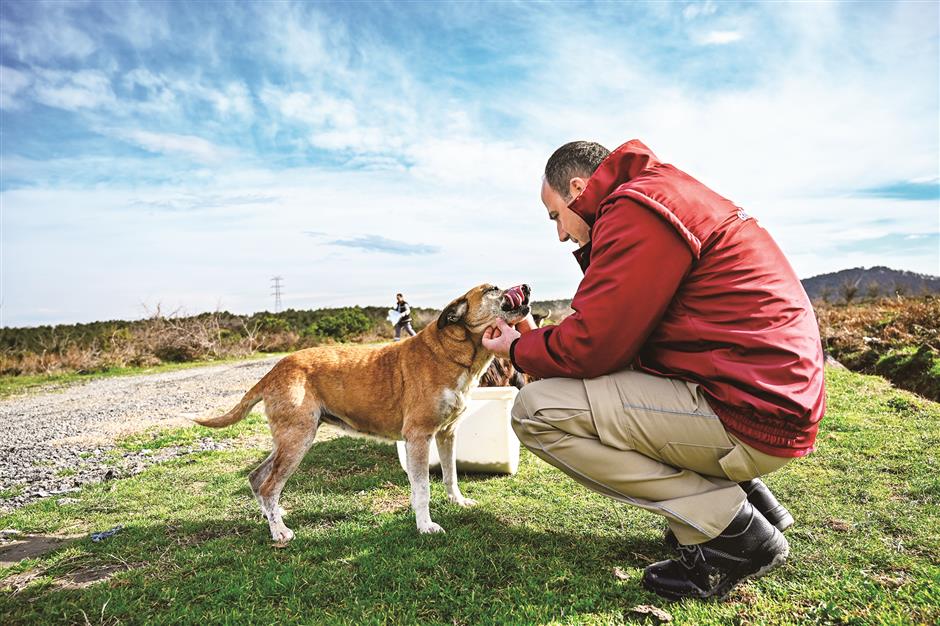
(649, 441)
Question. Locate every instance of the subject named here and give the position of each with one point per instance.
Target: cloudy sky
(183, 154)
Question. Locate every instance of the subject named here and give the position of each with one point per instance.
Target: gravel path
(51, 442)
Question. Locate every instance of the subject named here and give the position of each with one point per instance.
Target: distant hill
(869, 283)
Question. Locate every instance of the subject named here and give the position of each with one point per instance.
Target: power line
(276, 291)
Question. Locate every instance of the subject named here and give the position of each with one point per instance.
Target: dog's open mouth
(516, 300)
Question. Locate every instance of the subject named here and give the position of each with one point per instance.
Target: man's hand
(497, 339)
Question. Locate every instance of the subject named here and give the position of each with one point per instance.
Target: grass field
(537, 549)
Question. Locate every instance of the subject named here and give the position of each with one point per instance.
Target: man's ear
(576, 186)
(453, 313)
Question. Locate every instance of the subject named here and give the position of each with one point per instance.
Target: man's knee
(519, 411)
(523, 416)
(548, 409)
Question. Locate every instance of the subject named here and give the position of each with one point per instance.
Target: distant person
(404, 319)
(691, 366)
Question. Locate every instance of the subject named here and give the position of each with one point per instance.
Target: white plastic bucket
(485, 441)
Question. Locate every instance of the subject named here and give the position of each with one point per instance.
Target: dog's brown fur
(414, 389)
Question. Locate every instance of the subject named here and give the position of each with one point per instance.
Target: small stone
(650, 611)
(839, 524)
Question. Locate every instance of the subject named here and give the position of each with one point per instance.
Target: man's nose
(562, 235)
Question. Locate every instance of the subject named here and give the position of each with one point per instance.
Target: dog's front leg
(416, 449)
(446, 443)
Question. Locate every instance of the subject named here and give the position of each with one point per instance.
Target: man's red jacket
(680, 282)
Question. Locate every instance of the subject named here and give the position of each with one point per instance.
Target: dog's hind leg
(416, 450)
(445, 448)
(291, 441)
(256, 477)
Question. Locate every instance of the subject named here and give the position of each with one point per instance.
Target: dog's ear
(453, 313)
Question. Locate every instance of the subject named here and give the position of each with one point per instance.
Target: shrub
(272, 324)
(340, 325)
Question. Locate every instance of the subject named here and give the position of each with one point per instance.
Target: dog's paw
(461, 501)
(430, 528)
(282, 535)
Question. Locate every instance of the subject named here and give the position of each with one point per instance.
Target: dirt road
(51, 442)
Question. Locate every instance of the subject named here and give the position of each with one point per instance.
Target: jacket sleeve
(637, 263)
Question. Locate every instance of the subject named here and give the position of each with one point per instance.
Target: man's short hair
(577, 159)
(398, 295)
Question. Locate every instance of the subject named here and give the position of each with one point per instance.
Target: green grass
(156, 438)
(537, 549)
(13, 385)
(12, 492)
(918, 368)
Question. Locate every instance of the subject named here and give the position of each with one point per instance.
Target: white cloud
(84, 89)
(171, 144)
(52, 37)
(12, 84)
(142, 24)
(692, 11)
(476, 163)
(719, 37)
(233, 100)
(56, 30)
(305, 39)
(168, 95)
(317, 110)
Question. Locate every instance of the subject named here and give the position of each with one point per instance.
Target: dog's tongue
(516, 297)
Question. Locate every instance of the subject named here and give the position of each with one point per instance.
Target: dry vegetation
(898, 338)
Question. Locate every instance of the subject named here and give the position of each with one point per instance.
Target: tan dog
(414, 390)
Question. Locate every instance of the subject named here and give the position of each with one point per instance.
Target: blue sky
(182, 154)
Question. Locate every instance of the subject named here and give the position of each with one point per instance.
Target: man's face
(567, 222)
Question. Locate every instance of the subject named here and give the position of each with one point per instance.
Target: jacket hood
(620, 166)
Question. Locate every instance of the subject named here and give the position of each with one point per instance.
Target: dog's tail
(237, 414)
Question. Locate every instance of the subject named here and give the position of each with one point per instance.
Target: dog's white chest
(454, 401)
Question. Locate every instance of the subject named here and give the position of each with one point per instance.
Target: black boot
(749, 547)
(763, 499)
